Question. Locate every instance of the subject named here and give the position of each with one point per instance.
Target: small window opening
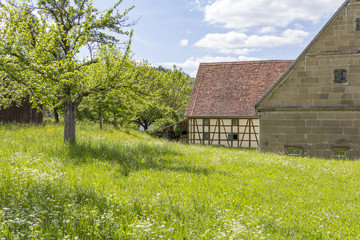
(235, 122)
(232, 136)
(340, 76)
(339, 154)
(295, 152)
(206, 136)
(206, 122)
(357, 24)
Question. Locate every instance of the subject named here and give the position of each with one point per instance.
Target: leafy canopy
(40, 47)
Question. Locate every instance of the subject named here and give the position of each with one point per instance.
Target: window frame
(340, 76)
(207, 122)
(206, 134)
(235, 122)
(339, 156)
(291, 152)
(234, 137)
(357, 22)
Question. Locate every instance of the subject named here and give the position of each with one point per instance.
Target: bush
(157, 129)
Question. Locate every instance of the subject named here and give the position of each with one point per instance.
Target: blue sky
(187, 32)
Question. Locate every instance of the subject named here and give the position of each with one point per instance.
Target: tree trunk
(100, 121)
(115, 120)
(56, 115)
(69, 120)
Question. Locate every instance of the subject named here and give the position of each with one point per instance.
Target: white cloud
(240, 51)
(269, 29)
(254, 25)
(299, 26)
(235, 42)
(199, 5)
(191, 65)
(184, 42)
(242, 14)
(196, 5)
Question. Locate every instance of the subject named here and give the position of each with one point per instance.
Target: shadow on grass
(135, 157)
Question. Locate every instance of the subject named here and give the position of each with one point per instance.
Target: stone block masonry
(317, 137)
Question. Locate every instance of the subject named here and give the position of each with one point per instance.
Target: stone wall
(307, 109)
(317, 133)
(310, 82)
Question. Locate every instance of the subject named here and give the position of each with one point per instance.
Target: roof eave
(174, 124)
(251, 116)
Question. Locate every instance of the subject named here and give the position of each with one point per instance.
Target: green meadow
(122, 184)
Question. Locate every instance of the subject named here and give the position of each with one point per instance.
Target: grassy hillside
(125, 185)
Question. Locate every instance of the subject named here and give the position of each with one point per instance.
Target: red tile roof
(232, 88)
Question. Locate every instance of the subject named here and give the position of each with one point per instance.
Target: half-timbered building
(221, 107)
(314, 108)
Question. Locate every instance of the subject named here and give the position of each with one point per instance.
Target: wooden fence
(22, 114)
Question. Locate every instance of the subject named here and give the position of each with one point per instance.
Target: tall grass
(117, 184)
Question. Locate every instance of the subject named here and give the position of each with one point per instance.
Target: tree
(10, 92)
(115, 104)
(113, 107)
(176, 91)
(39, 47)
(146, 114)
(166, 95)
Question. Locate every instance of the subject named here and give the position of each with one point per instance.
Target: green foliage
(157, 130)
(165, 70)
(154, 95)
(118, 184)
(10, 92)
(176, 91)
(111, 104)
(166, 96)
(39, 47)
(178, 131)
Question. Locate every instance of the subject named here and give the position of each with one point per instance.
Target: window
(235, 122)
(357, 24)
(295, 152)
(339, 154)
(206, 136)
(340, 76)
(232, 136)
(206, 122)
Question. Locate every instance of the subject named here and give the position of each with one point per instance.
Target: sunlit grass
(121, 184)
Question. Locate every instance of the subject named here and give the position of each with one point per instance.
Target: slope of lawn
(120, 184)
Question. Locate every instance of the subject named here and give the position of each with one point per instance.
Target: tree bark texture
(100, 121)
(69, 120)
(56, 115)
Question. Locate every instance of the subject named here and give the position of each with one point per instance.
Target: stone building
(314, 107)
(221, 107)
